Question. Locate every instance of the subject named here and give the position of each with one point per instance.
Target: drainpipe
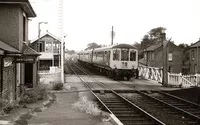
(2, 65)
(197, 60)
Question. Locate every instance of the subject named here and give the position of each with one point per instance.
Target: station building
(48, 45)
(18, 62)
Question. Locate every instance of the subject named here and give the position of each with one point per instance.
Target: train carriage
(118, 61)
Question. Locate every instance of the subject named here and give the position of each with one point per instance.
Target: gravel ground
(154, 109)
(191, 94)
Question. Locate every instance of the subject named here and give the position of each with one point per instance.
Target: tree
(70, 51)
(152, 37)
(93, 45)
(186, 55)
(137, 45)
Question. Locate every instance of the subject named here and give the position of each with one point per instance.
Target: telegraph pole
(165, 59)
(60, 27)
(112, 36)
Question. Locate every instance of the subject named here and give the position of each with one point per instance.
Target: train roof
(110, 47)
(115, 46)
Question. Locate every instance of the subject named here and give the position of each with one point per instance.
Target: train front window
(132, 55)
(116, 54)
(124, 54)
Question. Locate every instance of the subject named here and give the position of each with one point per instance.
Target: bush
(32, 95)
(57, 86)
(7, 106)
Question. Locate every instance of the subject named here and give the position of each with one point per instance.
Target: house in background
(48, 46)
(17, 60)
(194, 60)
(153, 57)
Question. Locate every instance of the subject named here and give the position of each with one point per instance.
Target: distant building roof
(197, 44)
(142, 62)
(47, 33)
(25, 5)
(26, 50)
(153, 47)
(7, 48)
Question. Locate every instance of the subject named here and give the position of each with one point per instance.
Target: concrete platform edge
(115, 120)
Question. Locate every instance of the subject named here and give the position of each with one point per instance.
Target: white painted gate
(152, 73)
(174, 79)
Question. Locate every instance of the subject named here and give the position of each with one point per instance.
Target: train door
(108, 53)
(107, 57)
(92, 56)
(115, 58)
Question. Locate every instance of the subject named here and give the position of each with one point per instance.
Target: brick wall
(194, 60)
(9, 24)
(0, 71)
(157, 60)
(9, 82)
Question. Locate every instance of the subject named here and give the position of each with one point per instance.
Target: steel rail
(181, 99)
(158, 122)
(174, 107)
(87, 86)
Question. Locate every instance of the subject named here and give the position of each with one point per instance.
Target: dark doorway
(29, 75)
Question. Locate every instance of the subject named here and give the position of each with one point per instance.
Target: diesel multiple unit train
(117, 61)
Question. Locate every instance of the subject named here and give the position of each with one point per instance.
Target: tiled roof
(142, 61)
(7, 48)
(153, 47)
(47, 33)
(25, 5)
(26, 50)
(197, 44)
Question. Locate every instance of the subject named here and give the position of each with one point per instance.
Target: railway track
(125, 111)
(189, 108)
(181, 111)
(172, 115)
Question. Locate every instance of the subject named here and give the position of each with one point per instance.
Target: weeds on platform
(84, 105)
(57, 86)
(6, 102)
(7, 106)
(34, 94)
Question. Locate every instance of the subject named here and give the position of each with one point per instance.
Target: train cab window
(132, 55)
(116, 54)
(124, 54)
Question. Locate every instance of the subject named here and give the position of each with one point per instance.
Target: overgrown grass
(32, 95)
(7, 106)
(87, 106)
(57, 86)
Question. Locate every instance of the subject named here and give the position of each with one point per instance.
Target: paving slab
(61, 111)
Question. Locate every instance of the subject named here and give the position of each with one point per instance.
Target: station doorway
(28, 75)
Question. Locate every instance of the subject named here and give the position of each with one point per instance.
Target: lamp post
(38, 46)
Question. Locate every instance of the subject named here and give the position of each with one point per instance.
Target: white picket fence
(174, 79)
(183, 80)
(152, 73)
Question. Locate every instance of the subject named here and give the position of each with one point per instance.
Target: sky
(87, 21)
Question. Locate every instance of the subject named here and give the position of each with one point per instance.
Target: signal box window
(124, 54)
(170, 57)
(192, 54)
(116, 54)
(132, 55)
